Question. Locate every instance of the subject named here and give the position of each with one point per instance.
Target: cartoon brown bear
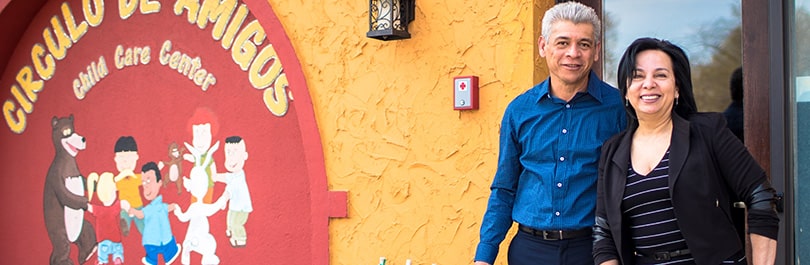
(64, 198)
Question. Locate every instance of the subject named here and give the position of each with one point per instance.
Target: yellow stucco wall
(417, 171)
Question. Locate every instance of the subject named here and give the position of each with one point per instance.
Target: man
(550, 142)
(236, 191)
(734, 112)
(128, 182)
(735, 123)
(157, 234)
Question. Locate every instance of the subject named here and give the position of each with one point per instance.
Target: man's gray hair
(574, 12)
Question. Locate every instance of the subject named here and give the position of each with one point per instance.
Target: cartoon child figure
(157, 232)
(203, 125)
(107, 214)
(236, 190)
(198, 236)
(127, 181)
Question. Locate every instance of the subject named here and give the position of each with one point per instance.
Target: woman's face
(651, 88)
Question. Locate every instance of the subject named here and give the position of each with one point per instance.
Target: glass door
(709, 32)
(799, 81)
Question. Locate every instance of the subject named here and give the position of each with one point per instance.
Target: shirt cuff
(486, 253)
(764, 223)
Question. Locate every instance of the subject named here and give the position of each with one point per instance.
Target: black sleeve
(745, 178)
(604, 248)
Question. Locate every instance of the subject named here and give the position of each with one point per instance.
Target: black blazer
(709, 168)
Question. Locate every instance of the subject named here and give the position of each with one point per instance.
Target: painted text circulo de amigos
(244, 40)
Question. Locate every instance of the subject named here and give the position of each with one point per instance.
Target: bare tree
(801, 53)
(610, 23)
(723, 41)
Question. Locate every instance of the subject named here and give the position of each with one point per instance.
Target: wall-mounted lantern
(389, 19)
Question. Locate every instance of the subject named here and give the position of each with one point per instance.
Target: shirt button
(564, 131)
(567, 106)
(559, 185)
(557, 213)
(562, 158)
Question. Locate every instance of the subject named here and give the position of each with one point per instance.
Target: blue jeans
(169, 251)
(527, 249)
(106, 248)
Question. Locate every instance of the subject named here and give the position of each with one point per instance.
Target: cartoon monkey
(175, 166)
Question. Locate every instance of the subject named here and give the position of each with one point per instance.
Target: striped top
(647, 206)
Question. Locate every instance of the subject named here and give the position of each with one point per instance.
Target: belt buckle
(547, 237)
(662, 256)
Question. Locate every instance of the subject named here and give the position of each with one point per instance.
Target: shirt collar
(158, 199)
(594, 87)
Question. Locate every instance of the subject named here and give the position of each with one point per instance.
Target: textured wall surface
(417, 171)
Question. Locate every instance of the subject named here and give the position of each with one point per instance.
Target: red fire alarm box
(465, 92)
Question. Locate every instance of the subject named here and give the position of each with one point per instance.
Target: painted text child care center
(244, 39)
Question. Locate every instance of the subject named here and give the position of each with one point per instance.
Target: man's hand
(131, 212)
(173, 207)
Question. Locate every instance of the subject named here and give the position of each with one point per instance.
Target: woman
(667, 182)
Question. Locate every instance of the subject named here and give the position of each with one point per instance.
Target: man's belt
(556, 234)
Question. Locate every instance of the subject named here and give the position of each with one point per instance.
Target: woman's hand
(763, 250)
(610, 262)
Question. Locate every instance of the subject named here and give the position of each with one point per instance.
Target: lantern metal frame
(389, 19)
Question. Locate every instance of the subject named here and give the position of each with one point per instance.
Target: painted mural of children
(203, 125)
(236, 190)
(198, 236)
(107, 214)
(127, 181)
(157, 233)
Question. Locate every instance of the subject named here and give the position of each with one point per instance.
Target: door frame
(766, 105)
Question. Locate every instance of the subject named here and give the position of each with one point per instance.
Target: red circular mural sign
(210, 91)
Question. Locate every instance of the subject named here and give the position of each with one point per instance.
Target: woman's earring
(626, 102)
(676, 101)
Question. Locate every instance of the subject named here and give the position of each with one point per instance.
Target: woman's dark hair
(680, 65)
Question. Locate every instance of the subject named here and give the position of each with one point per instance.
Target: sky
(678, 21)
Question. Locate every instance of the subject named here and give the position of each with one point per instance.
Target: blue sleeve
(498, 216)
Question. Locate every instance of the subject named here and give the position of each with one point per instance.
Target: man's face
(235, 156)
(202, 136)
(151, 187)
(125, 161)
(570, 51)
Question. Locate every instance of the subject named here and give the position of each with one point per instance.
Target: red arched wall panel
(145, 71)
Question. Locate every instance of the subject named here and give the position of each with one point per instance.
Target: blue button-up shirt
(157, 230)
(547, 165)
